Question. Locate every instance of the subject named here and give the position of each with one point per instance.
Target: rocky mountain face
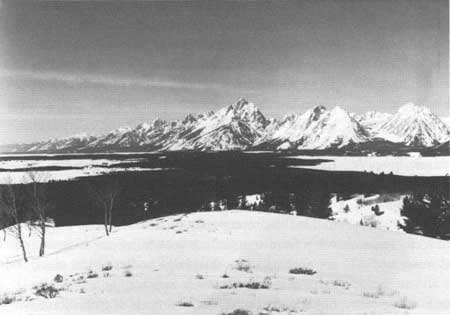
(243, 126)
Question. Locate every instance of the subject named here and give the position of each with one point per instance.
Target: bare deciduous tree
(105, 193)
(4, 220)
(39, 204)
(10, 204)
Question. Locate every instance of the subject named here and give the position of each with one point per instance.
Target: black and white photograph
(224, 157)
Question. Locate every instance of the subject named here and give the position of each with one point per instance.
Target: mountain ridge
(242, 126)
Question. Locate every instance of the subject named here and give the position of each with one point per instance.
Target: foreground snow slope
(183, 258)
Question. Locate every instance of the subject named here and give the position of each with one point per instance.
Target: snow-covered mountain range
(243, 126)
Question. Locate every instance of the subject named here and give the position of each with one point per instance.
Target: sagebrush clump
(91, 274)
(47, 291)
(405, 303)
(185, 304)
(303, 271)
(7, 299)
(265, 284)
(128, 273)
(238, 312)
(107, 267)
(243, 265)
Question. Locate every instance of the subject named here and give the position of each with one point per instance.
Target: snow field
(359, 269)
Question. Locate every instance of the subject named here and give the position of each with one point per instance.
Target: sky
(93, 66)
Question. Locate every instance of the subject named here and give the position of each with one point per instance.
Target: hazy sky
(71, 67)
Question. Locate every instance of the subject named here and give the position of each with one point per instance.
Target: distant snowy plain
(398, 165)
(13, 171)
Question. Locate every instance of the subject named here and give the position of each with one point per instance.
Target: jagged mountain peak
(189, 119)
(158, 123)
(240, 103)
(414, 125)
(242, 106)
(145, 127)
(247, 112)
(318, 128)
(232, 127)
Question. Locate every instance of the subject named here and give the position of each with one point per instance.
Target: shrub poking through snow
(376, 210)
(249, 285)
(210, 302)
(379, 292)
(79, 279)
(58, 278)
(302, 271)
(346, 208)
(238, 311)
(185, 304)
(405, 303)
(225, 276)
(243, 265)
(47, 291)
(270, 309)
(92, 274)
(372, 295)
(342, 284)
(107, 267)
(128, 273)
(6, 299)
(199, 277)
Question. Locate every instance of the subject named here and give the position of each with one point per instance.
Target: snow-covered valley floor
(398, 165)
(196, 263)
